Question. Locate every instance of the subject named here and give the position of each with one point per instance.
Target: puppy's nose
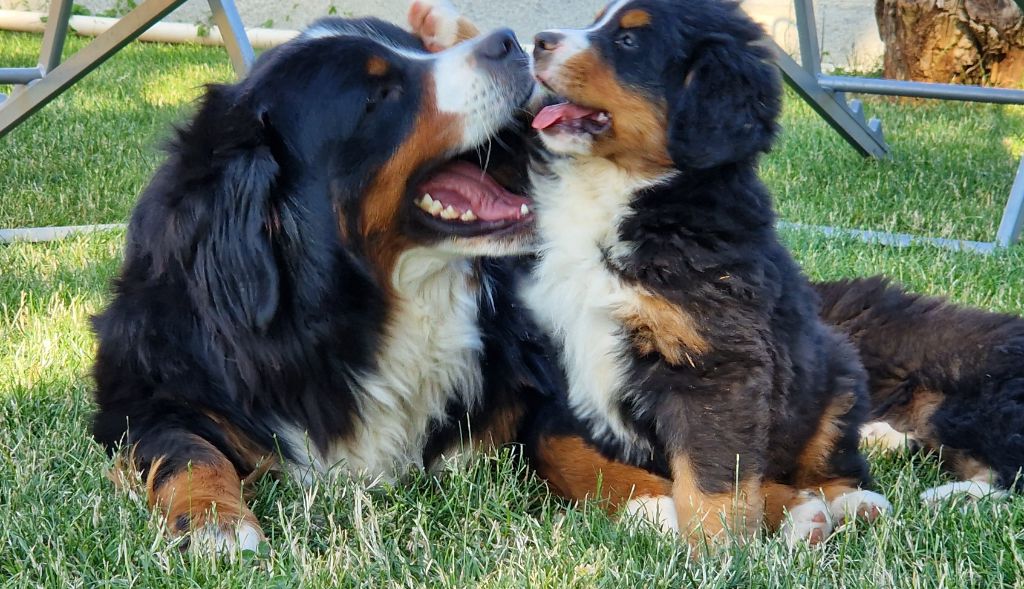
(497, 46)
(546, 42)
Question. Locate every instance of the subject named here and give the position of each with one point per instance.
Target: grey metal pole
(22, 104)
(1013, 214)
(921, 89)
(226, 16)
(865, 137)
(806, 26)
(19, 75)
(54, 35)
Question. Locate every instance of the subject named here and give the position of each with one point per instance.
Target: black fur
(240, 306)
(972, 361)
(704, 240)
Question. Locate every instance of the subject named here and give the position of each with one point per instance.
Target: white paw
(866, 505)
(225, 540)
(436, 22)
(659, 511)
(808, 522)
(971, 489)
(882, 435)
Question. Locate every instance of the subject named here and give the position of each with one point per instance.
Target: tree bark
(953, 41)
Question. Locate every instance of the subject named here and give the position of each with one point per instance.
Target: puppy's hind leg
(831, 463)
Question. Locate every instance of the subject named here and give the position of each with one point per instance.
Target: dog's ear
(235, 266)
(722, 104)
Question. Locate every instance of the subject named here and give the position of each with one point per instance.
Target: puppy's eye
(627, 39)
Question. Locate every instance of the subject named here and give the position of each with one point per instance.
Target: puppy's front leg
(439, 24)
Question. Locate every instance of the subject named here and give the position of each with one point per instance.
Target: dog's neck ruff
(429, 353)
(581, 203)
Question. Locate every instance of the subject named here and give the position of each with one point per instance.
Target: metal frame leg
(825, 95)
(43, 84)
(847, 119)
(1013, 215)
(38, 94)
(55, 34)
(232, 31)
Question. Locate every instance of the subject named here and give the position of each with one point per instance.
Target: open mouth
(459, 197)
(573, 119)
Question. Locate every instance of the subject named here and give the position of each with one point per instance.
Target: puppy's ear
(722, 105)
(235, 267)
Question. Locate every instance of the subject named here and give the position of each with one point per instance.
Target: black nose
(546, 41)
(498, 45)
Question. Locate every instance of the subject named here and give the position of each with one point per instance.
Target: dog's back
(946, 375)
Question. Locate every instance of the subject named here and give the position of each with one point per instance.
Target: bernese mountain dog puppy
(690, 338)
(305, 284)
(947, 378)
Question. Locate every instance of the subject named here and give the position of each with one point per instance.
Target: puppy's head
(659, 84)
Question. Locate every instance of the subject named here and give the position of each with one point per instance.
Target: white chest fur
(430, 350)
(573, 294)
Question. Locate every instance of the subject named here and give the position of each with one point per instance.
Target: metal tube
(55, 34)
(233, 32)
(1013, 214)
(893, 239)
(22, 104)
(807, 30)
(921, 89)
(831, 108)
(19, 75)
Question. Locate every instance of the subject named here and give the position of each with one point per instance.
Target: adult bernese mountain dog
(947, 378)
(689, 336)
(306, 283)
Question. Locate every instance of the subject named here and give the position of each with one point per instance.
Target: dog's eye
(626, 39)
(387, 93)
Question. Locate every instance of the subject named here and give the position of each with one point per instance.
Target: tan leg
(206, 501)
(714, 516)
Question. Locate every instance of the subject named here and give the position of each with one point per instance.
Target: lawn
(83, 160)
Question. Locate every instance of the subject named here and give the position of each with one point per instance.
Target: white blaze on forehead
(610, 14)
(461, 86)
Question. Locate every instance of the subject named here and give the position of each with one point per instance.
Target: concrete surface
(847, 31)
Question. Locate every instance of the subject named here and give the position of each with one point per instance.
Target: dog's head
(659, 84)
(326, 151)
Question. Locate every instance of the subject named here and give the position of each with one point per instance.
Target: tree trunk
(958, 41)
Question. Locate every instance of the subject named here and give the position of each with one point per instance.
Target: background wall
(847, 29)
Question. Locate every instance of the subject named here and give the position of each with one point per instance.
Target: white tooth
(468, 216)
(436, 207)
(427, 200)
(524, 210)
(450, 213)
(602, 117)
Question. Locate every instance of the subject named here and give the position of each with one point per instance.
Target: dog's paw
(971, 489)
(438, 24)
(659, 511)
(224, 539)
(859, 504)
(879, 434)
(808, 522)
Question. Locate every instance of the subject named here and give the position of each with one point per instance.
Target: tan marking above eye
(635, 18)
(377, 66)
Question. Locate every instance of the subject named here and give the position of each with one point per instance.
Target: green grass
(83, 160)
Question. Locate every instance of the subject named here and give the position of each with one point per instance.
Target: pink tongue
(464, 186)
(550, 116)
